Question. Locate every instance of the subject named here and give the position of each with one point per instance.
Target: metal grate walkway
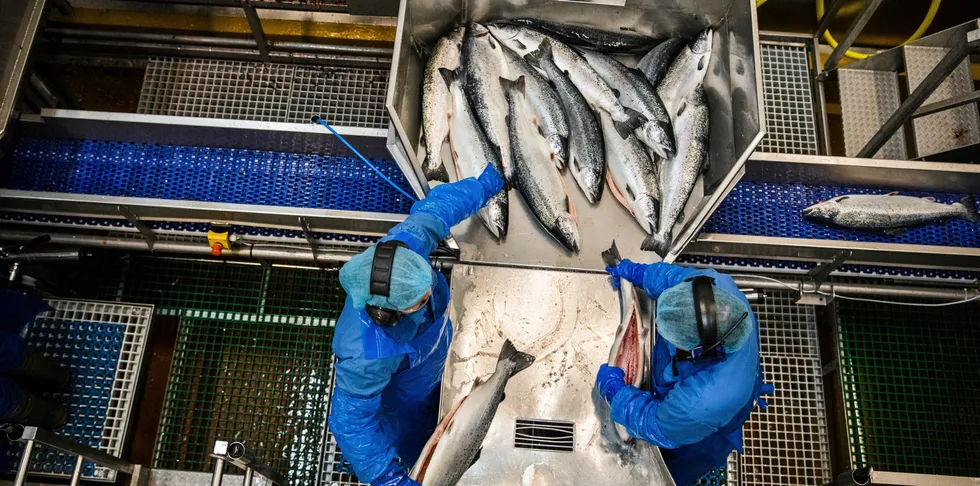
(910, 378)
(103, 345)
(350, 97)
(788, 443)
(787, 99)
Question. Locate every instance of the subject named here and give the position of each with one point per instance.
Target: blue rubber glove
(491, 180)
(395, 475)
(609, 381)
(632, 272)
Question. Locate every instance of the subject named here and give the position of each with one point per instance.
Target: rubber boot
(25, 408)
(40, 374)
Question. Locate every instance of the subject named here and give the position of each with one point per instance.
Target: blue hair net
(677, 323)
(411, 278)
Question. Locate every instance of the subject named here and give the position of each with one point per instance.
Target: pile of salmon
(535, 98)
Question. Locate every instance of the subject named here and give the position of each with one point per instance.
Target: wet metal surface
(568, 322)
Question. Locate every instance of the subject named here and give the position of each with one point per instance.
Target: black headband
(381, 266)
(705, 309)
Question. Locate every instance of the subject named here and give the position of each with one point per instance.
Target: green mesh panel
(911, 380)
(251, 362)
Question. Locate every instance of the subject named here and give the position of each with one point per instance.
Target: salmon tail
(658, 242)
(626, 128)
(449, 75)
(520, 360)
(611, 257)
(436, 173)
(970, 203)
(540, 55)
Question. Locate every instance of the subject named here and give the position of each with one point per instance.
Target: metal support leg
(144, 230)
(76, 475)
(25, 464)
(256, 26)
(852, 32)
(946, 104)
(248, 477)
(308, 234)
(219, 472)
(828, 17)
(63, 7)
(932, 81)
(821, 271)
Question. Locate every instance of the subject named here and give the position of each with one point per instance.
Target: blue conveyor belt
(758, 264)
(766, 209)
(202, 174)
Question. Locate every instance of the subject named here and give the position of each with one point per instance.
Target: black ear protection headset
(706, 315)
(381, 266)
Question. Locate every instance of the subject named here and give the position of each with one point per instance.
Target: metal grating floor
(335, 471)
(788, 99)
(203, 174)
(788, 443)
(271, 92)
(769, 209)
(910, 378)
(252, 360)
(258, 378)
(103, 345)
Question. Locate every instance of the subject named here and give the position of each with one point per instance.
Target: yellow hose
(923, 27)
(758, 3)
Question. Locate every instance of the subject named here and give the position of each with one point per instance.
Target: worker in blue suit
(393, 336)
(706, 372)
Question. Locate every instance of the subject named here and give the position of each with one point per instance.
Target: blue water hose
(319, 120)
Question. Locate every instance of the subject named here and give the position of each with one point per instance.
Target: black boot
(34, 410)
(40, 374)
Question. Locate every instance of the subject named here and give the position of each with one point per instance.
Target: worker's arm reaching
(357, 409)
(445, 206)
(689, 411)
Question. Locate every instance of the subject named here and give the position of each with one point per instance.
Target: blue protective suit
(385, 405)
(696, 416)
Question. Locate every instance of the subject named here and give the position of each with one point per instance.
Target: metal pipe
(255, 25)
(43, 256)
(68, 446)
(25, 464)
(76, 475)
(867, 10)
(247, 481)
(219, 472)
(947, 104)
(828, 17)
(221, 42)
(946, 65)
(858, 289)
(250, 252)
(230, 53)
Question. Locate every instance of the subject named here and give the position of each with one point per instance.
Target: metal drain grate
(271, 92)
(544, 435)
(788, 443)
(259, 378)
(910, 378)
(788, 99)
(103, 345)
(335, 470)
